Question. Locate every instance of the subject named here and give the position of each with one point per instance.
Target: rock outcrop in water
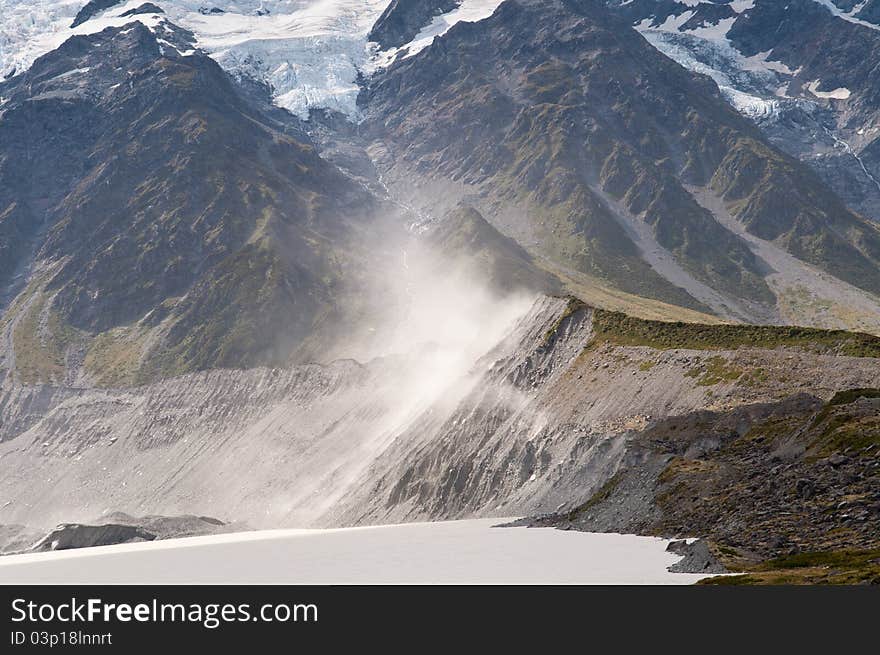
(74, 535)
(113, 528)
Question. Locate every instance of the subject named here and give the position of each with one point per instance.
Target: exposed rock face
(403, 19)
(74, 535)
(146, 8)
(120, 528)
(541, 422)
(758, 481)
(235, 432)
(23, 406)
(564, 426)
(604, 421)
(171, 527)
(91, 9)
(465, 234)
(113, 528)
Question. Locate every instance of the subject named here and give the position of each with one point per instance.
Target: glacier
(309, 52)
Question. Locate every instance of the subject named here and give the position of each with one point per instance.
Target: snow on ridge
(847, 16)
(51, 28)
(672, 23)
(759, 62)
(837, 94)
(309, 51)
(752, 85)
(716, 32)
(470, 11)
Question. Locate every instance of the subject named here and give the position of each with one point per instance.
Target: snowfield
(453, 552)
(308, 51)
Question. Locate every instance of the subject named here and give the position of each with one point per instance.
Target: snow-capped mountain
(783, 65)
(697, 34)
(310, 52)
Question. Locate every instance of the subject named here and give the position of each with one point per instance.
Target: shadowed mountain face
(91, 9)
(145, 201)
(594, 139)
(402, 20)
(499, 260)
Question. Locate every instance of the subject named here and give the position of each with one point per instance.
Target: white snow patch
(752, 84)
(452, 552)
(739, 6)
(674, 23)
(759, 62)
(470, 11)
(72, 73)
(671, 24)
(847, 16)
(717, 32)
(746, 103)
(837, 94)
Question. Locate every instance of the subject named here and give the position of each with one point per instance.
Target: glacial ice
(308, 51)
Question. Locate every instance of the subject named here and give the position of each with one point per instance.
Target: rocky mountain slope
(684, 203)
(563, 408)
(598, 175)
(402, 20)
(228, 289)
(155, 221)
(803, 70)
(813, 465)
(561, 404)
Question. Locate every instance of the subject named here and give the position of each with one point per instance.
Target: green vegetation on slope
(814, 567)
(619, 329)
(40, 339)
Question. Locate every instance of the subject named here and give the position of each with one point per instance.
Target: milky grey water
(419, 553)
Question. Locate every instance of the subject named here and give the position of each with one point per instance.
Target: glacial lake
(450, 552)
